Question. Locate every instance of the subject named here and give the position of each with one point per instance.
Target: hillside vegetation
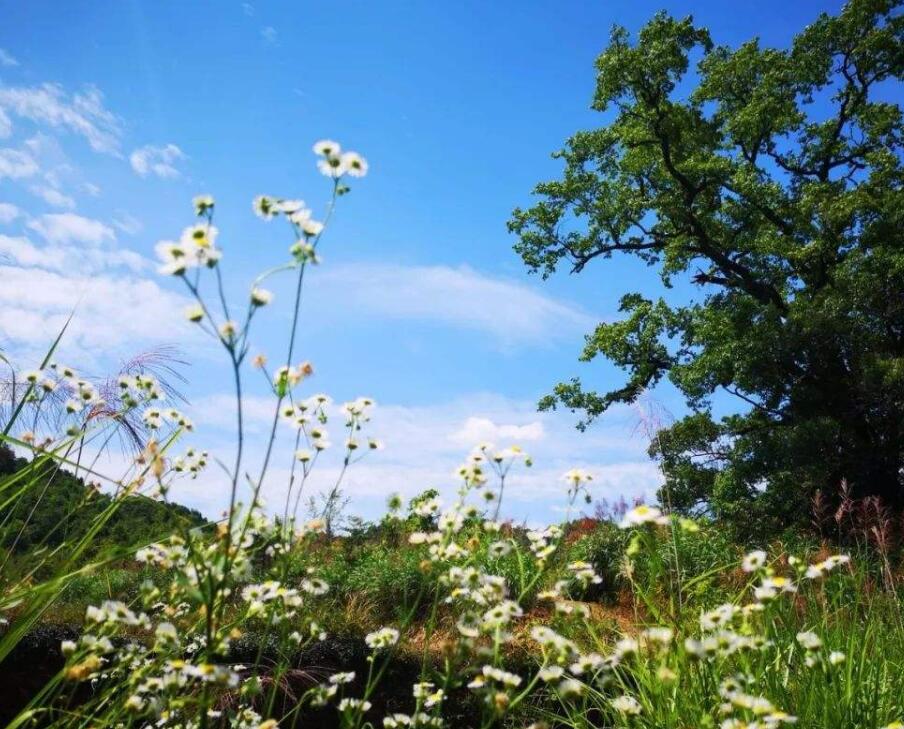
(61, 507)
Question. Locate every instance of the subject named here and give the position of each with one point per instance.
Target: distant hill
(64, 506)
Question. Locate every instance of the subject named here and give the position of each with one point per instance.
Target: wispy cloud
(7, 60)
(158, 161)
(270, 35)
(52, 196)
(79, 259)
(510, 311)
(82, 113)
(69, 227)
(128, 224)
(16, 164)
(8, 213)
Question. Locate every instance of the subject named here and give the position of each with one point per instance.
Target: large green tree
(771, 179)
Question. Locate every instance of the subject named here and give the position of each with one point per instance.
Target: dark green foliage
(773, 186)
(604, 548)
(58, 508)
(391, 576)
(695, 559)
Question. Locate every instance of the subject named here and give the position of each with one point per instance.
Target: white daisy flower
(199, 236)
(264, 207)
(626, 705)
(289, 206)
(327, 148)
(382, 638)
(754, 560)
(643, 514)
(194, 313)
(261, 297)
(202, 204)
(175, 257)
(331, 167)
(577, 476)
(355, 164)
(311, 227)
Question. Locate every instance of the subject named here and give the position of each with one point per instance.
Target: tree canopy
(771, 180)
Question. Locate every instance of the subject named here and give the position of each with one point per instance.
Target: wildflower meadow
(495, 626)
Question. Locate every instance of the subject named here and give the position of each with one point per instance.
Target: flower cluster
(335, 163)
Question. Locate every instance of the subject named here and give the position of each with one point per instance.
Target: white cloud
(478, 430)
(20, 250)
(8, 212)
(128, 224)
(6, 125)
(68, 258)
(159, 161)
(113, 314)
(53, 197)
(69, 227)
(82, 113)
(50, 156)
(425, 443)
(508, 310)
(16, 164)
(7, 60)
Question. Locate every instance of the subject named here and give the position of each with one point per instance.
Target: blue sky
(420, 301)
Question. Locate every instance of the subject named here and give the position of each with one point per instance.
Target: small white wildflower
(261, 297)
(355, 164)
(288, 207)
(194, 313)
(264, 207)
(499, 549)
(228, 330)
(331, 167)
(571, 687)
(175, 258)
(627, 705)
(809, 640)
(754, 560)
(551, 673)
(311, 227)
(643, 514)
(203, 204)
(344, 677)
(327, 148)
(382, 638)
(354, 705)
(199, 236)
(577, 476)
